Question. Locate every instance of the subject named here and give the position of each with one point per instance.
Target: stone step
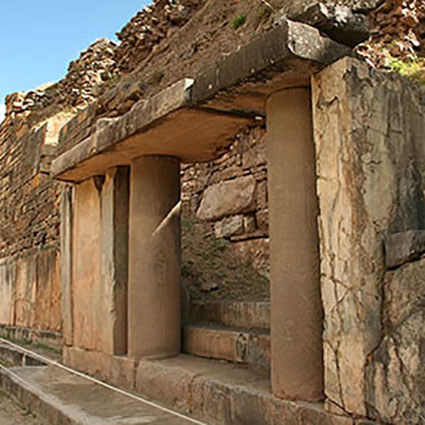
(234, 345)
(238, 314)
(222, 393)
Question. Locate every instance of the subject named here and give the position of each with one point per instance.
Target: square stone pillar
(66, 216)
(296, 308)
(154, 258)
(96, 305)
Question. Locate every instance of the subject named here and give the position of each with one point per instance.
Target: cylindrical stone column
(296, 308)
(154, 258)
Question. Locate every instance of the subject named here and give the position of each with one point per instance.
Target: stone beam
(194, 119)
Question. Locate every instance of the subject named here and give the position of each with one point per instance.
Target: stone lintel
(194, 119)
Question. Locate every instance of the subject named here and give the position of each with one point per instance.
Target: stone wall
(29, 230)
(371, 177)
(30, 302)
(231, 194)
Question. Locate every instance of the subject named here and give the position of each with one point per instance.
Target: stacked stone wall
(29, 233)
(230, 193)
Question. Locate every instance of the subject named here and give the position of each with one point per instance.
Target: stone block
(367, 191)
(403, 247)
(229, 226)
(249, 225)
(26, 286)
(123, 372)
(239, 346)
(7, 292)
(47, 308)
(262, 196)
(262, 220)
(404, 293)
(240, 314)
(154, 380)
(94, 363)
(227, 198)
(395, 374)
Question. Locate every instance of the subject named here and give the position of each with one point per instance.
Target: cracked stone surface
(395, 372)
(370, 165)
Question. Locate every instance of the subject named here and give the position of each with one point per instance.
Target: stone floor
(63, 397)
(12, 414)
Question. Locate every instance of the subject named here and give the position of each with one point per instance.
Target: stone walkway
(72, 399)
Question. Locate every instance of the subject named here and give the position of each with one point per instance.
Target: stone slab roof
(194, 119)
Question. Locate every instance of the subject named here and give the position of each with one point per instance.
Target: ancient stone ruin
(225, 212)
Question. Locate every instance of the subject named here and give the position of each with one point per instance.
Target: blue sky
(38, 38)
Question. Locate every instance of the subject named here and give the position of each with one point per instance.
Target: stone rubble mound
(149, 27)
(398, 30)
(78, 88)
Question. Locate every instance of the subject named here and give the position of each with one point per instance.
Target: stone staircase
(235, 331)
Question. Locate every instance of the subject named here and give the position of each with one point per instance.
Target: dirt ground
(13, 414)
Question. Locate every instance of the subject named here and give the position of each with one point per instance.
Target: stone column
(154, 258)
(296, 308)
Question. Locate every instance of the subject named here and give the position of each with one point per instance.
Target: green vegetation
(239, 21)
(413, 69)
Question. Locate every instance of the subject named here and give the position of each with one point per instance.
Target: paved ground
(12, 414)
(61, 394)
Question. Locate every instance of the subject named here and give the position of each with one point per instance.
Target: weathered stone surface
(66, 236)
(404, 293)
(295, 7)
(7, 292)
(243, 314)
(370, 165)
(256, 252)
(223, 394)
(229, 226)
(297, 354)
(99, 264)
(30, 291)
(230, 197)
(340, 22)
(403, 247)
(232, 345)
(87, 289)
(396, 373)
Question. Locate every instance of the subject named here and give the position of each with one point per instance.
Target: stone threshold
(217, 392)
(195, 119)
(235, 345)
(236, 314)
